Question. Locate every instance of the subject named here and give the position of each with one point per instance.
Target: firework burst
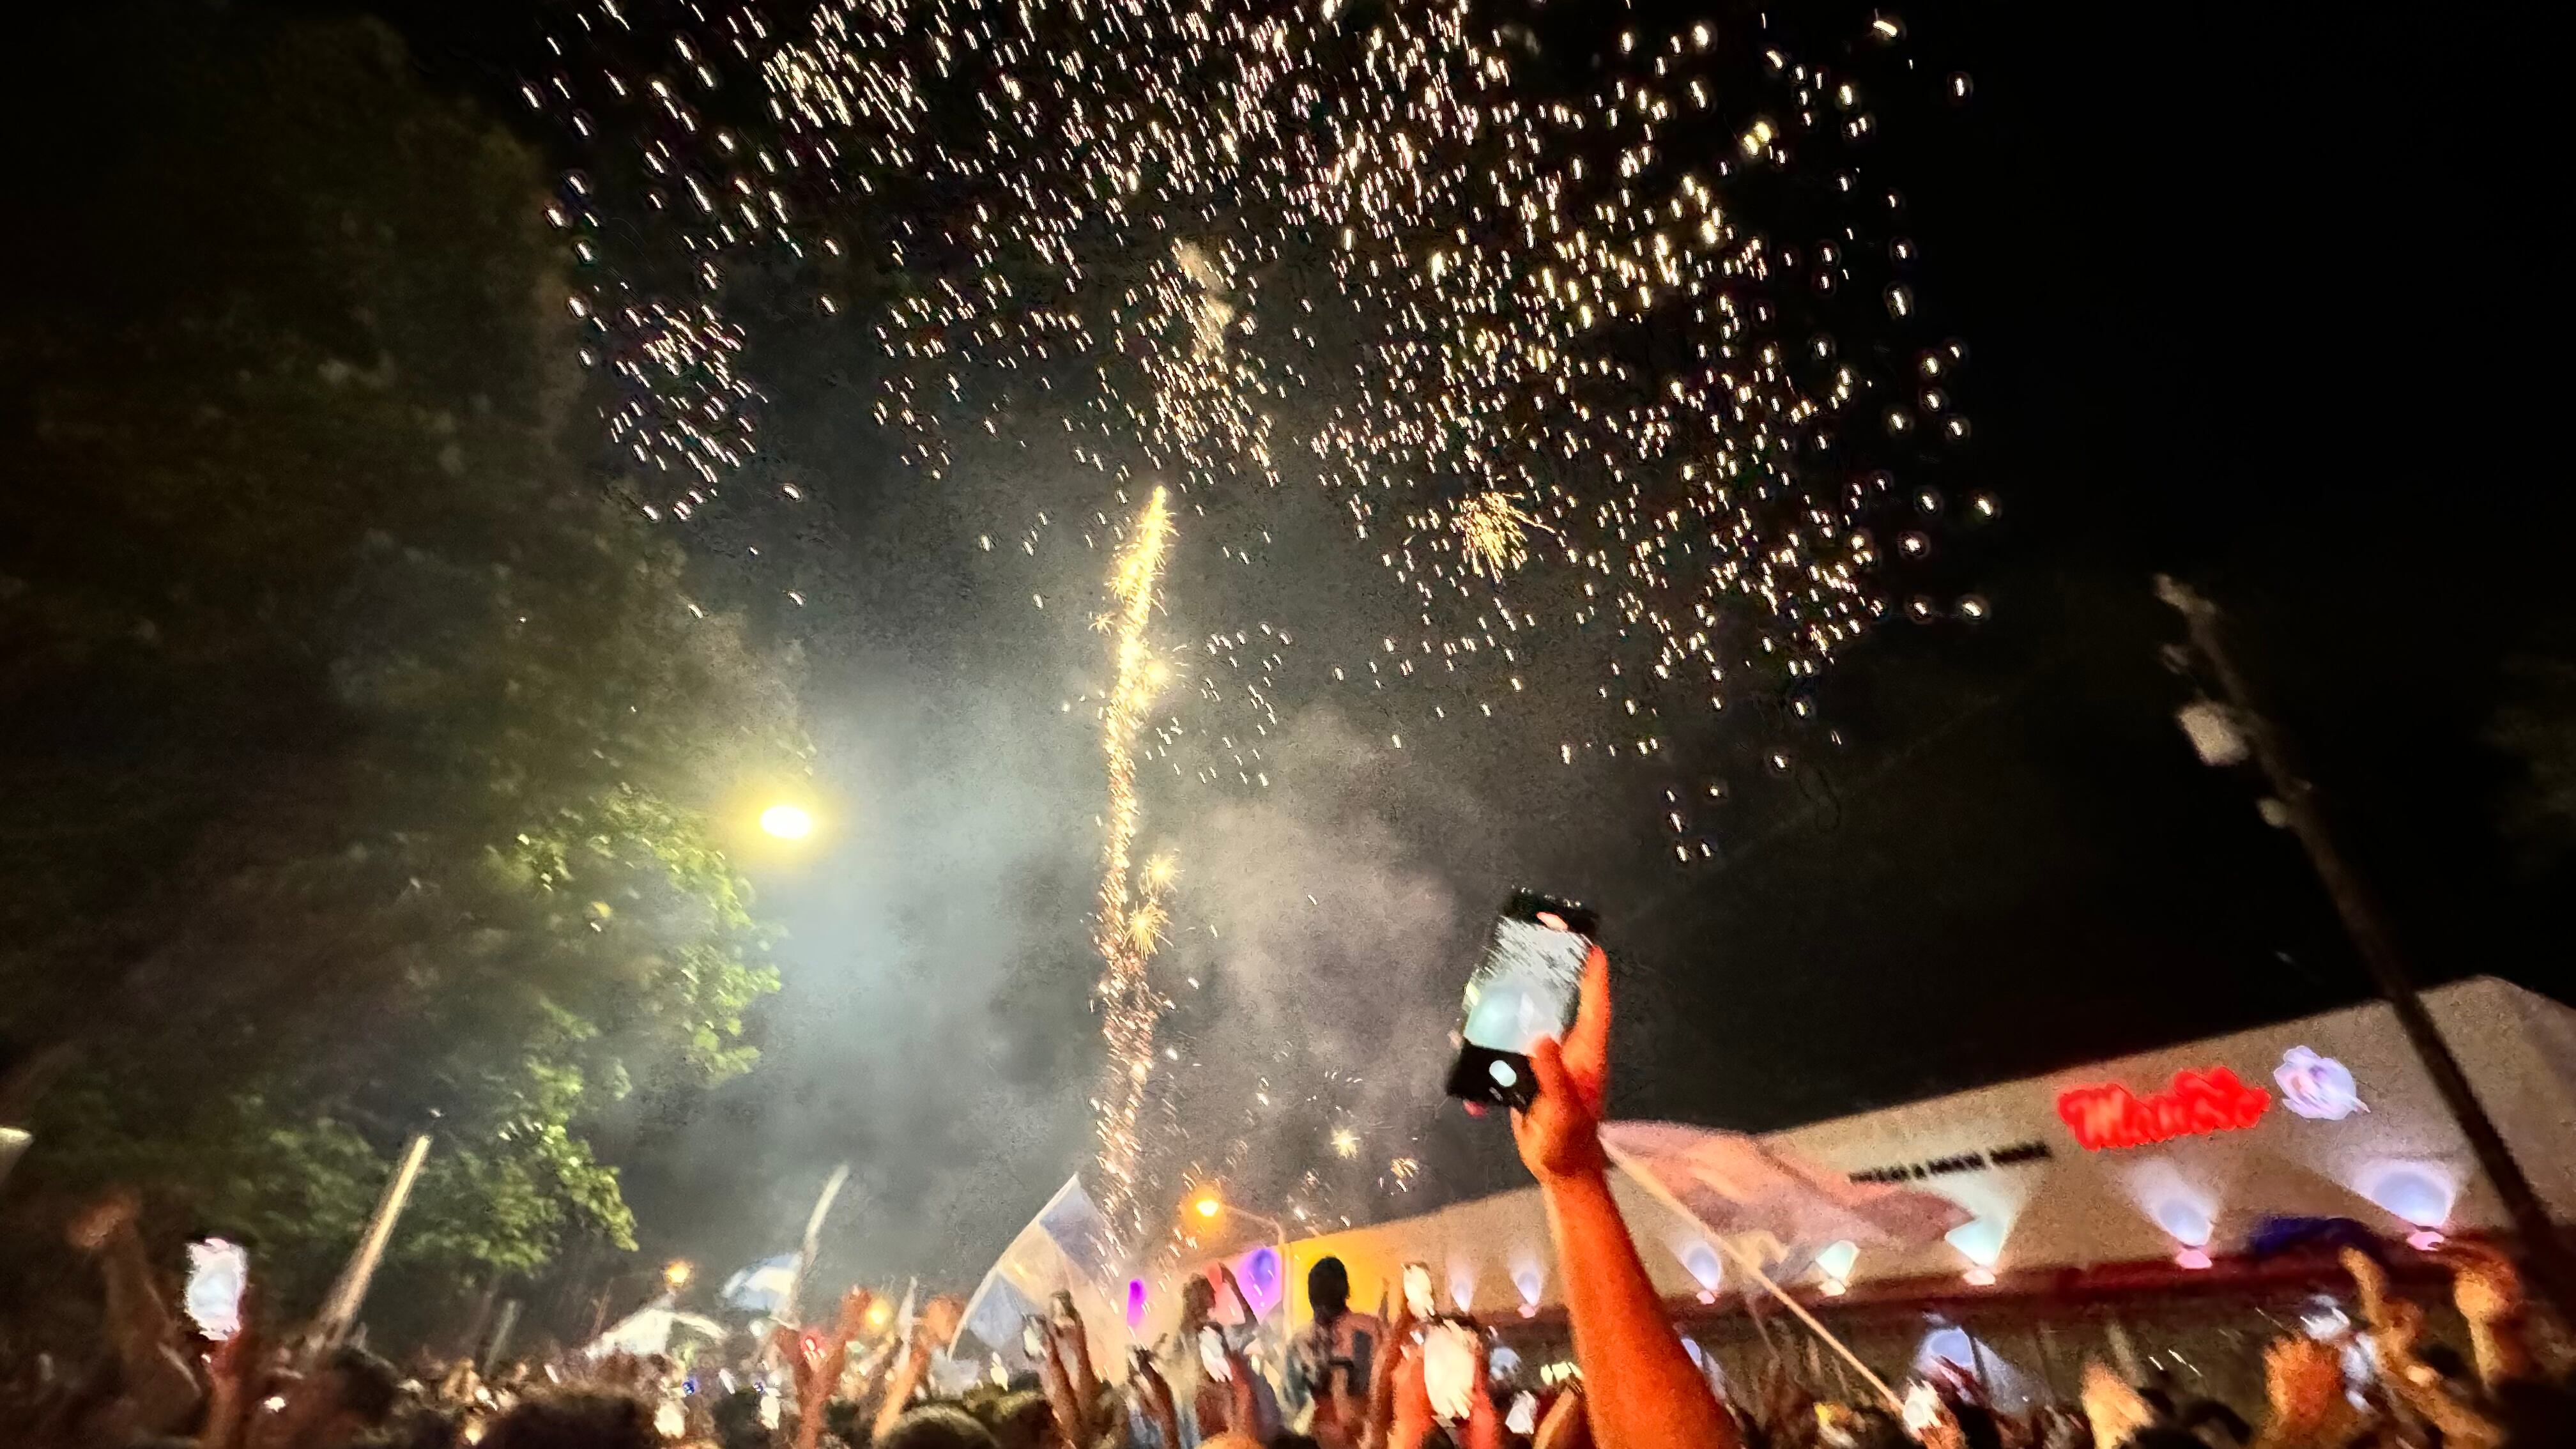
(1494, 532)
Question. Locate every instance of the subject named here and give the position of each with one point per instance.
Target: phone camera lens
(1502, 1074)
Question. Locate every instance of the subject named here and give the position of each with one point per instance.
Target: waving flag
(763, 1287)
(1064, 1249)
(1738, 1187)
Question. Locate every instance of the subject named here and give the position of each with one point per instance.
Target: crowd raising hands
(1396, 1379)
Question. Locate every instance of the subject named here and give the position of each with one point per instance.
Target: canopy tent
(648, 1330)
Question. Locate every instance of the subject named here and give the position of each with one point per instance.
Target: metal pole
(493, 1352)
(808, 1245)
(340, 1309)
(2371, 937)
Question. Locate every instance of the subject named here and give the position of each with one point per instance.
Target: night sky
(2244, 301)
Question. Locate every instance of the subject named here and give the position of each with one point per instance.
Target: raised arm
(1070, 1422)
(1380, 1423)
(938, 1325)
(1251, 1315)
(1073, 1344)
(1643, 1391)
(159, 1391)
(2488, 1293)
(819, 1376)
(1157, 1395)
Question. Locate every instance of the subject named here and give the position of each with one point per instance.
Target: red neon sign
(2197, 1103)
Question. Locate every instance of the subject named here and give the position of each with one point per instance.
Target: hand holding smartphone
(218, 1272)
(1417, 1292)
(1449, 1368)
(1525, 989)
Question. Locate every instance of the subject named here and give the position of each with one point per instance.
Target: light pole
(675, 1276)
(2243, 730)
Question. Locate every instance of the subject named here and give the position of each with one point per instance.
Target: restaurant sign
(2108, 1116)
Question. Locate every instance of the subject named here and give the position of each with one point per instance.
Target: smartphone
(1212, 1355)
(1417, 1291)
(1033, 1337)
(1922, 1407)
(218, 1272)
(1449, 1368)
(1525, 988)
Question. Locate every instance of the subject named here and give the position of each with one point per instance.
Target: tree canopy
(365, 767)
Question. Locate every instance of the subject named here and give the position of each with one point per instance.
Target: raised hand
(1158, 1399)
(94, 1226)
(2488, 1292)
(1410, 1420)
(2485, 1286)
(229, 1373)
(2114, 1409)
(2304, 1380)
(939, 1320)
(1559, 1134)
(2397, 1322)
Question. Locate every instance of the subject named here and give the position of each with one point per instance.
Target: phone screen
(1449, 1369)
(218, 1271)
(1525, 988)
(1212, 1356)
(1417, 1290)
(1922, 1407)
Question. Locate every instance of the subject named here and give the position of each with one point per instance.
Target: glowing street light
(1209, 1205)
(787, 822)
(676, 1273)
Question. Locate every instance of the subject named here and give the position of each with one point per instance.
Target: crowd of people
(1349, 1379)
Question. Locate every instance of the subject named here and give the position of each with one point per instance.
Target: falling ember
(1346, 1142)
(1132, 913)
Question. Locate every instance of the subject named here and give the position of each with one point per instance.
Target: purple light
(1135, 1303)
(1262, 1278)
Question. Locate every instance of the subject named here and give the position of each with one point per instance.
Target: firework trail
(1132, 913)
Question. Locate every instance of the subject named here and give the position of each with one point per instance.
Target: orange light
(1208, 1206)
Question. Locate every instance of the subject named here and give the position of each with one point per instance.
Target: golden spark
(1132, 913)
(1495, 533)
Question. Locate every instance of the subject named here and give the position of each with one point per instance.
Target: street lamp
(2227, 731)
(787, 822)
(676, 1273)
(1211, 1207)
